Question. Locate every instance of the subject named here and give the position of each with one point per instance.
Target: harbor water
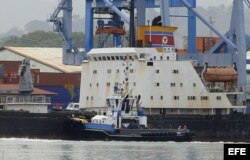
(35, 149)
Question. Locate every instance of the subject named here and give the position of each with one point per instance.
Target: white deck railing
(24, 99)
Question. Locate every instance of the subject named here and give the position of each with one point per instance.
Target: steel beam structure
(141, 5)
(71, 54)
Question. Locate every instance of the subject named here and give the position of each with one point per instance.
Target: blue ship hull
(102, 127)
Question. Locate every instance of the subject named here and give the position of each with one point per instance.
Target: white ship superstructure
(166, 86)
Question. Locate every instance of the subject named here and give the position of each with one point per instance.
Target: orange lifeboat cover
(220, 74)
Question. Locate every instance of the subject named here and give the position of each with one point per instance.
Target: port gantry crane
(63, 25)
(235, 41)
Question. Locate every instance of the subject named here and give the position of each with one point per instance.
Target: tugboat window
(142, 56)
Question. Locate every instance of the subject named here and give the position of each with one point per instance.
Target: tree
(42, 39)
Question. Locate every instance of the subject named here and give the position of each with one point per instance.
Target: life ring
(164, 39)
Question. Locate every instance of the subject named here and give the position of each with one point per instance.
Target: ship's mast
(126, 72)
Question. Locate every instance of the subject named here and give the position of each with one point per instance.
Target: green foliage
(42, 39)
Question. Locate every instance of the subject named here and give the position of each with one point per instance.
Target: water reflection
(66, 150)
(98, 150)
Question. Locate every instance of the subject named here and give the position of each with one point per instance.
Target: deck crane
(63, 25)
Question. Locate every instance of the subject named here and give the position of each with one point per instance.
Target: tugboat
(123, 119)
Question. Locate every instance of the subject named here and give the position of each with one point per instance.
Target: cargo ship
(206, 102)
(175, 90)
(123, 119)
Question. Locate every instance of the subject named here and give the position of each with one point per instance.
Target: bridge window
(172, 84)
(176, 97)
(99, 58)
(95, 59)
(191, 98)
(175, 71)
(112, 57)
(121, 57)
(104, 58)
(108, 58)
(204, 97)
(150, 63)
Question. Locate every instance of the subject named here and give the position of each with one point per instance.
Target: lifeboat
(220, 74)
